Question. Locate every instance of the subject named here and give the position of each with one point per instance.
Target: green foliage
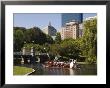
(18, 40)
(32, 35)
(38, 48)
(89, 40)
(58, 38)
(85, 47)
(63, 58)
(70, 48)
(49, 39)
(54, 49)
(36, 35)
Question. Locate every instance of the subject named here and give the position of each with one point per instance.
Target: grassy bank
(17, 70)
(83, 63)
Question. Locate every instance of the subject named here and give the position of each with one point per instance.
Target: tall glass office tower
(67, 17)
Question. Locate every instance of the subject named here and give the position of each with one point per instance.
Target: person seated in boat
(74, 61)
(62, 64)
(71, 63)
(75, 65)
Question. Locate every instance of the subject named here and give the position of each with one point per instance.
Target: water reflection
(84, 70)
(71, 72)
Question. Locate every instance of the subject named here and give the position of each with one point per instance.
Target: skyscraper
(67, 17)
(50, 30)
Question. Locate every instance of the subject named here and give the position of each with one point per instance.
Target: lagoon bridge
(31, 56)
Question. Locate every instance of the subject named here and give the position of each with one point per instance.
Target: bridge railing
(28, 53)
(21, 53)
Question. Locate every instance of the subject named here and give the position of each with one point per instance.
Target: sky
(86, 15)
(29, 20)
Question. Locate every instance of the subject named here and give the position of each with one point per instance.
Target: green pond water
(84, 69)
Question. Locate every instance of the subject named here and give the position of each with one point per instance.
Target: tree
(28, 36)
(70, 48)
(36, 35)
(54, 49)
(49, 39)
(89, 40)
(58, 38)
(18, 40)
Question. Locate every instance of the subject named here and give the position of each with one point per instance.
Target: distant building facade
(50, 30)
(62, 32)
(71, 30)
(67, 17)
